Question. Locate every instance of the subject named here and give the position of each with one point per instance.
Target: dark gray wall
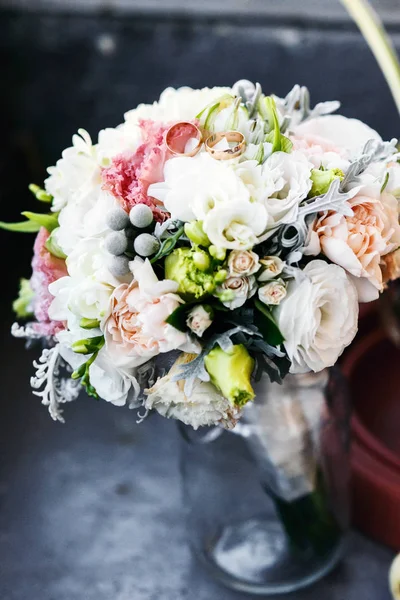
(62, 71)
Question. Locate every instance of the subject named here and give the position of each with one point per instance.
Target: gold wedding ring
(178, 136)
(231, 137)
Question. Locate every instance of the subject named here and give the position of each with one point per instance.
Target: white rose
(199, 319)
(273, 292)
(182, 104)
(236, 225)
(193, 186)
(318, 318)
(243, 262)
(204, 407)
(234, 292)
(348, 134)
(271, 266)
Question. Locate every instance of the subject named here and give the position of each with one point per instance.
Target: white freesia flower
(83, 219)
(114, 141)
(234, 291)
(199, 319)
(348, 134)
(81, 297)
(204, 407)
(272, 292)
(318, 318)
(86, 291)
(193, 186)
(182, 104)
(243, 262)
(113, 384)
(75, 173)
(78, 173)
(88, 261)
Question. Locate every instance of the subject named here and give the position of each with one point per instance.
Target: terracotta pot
(372, 367)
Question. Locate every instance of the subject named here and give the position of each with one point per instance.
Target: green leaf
(286, 144)
(280, 143)
(266, 324)
(178, 317)
(214, 105)
(49, 221)
(22, 227)
(83, 373)
(385, 182)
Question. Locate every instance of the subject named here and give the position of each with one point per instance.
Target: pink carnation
(46, 269)
(130, 175)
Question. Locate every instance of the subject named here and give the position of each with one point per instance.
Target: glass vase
(267, 502)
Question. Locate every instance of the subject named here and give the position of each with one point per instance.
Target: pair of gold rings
(179, 134)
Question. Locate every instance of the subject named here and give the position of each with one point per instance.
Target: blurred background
(67, 64)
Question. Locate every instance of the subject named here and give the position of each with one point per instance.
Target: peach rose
(390, 266)
(358, 243)
(136, 329)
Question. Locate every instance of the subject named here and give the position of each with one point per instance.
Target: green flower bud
(217, 253)
(22, 306)
(39, 193)
(201, 260)
(182, 266)
(321, 180)
(89, 323)
(88, 345)
(195, 233)
(220, 276)
(226, 296)
(209, 287)
(52, 244)
(230, 372)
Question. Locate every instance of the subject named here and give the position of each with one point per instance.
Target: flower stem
(379, 42)
(309, 523)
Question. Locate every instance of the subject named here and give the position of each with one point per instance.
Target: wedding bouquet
(230, 232)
